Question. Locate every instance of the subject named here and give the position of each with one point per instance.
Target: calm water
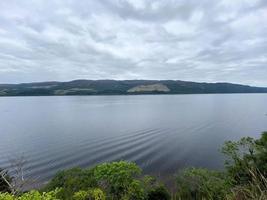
(162, 133)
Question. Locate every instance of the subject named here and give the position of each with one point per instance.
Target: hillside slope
(115, 87)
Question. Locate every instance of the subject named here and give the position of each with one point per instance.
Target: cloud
(62, 40)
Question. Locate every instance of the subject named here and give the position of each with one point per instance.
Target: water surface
(161, 133)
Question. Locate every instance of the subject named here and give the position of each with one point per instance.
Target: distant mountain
(115, 87)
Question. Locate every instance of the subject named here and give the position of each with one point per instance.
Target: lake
(161, 133)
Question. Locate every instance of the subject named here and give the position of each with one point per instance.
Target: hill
(117, 87)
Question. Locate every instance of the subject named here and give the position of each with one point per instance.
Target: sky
(193, 40)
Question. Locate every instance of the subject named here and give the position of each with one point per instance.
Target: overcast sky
(196, 40)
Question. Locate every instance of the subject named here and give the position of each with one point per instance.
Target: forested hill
(115, 87)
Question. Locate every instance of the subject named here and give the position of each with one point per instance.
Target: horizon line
(222, 82)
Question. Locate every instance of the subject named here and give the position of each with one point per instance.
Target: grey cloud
(206, 40)
(151, 10)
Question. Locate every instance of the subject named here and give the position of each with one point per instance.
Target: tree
(158, 193)
(244, 156)
(33, 195)
(200, 183)
(72, 181)
(91, 194)
(115, 180)
(118, 179)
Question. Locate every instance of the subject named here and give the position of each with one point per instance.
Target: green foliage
(135, 191)
(158, 193)
(244, 177)
(198, 183)
(81, 195)
(118, 179)
(260, 155)
(92, 194)
(153, 189)
(245, 155)
(256, 189)
(71, 181)
(32, 195)
(115, 180)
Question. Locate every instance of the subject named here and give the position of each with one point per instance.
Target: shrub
(153, 189)
(92, 194)
(118, 179)
(245, 155)
(71, 181)
(158, 193)
(198, 183)
(32, 195)
(115, 180)
(244, 177)
(256, 189)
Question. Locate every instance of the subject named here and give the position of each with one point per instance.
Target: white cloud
(164, 39)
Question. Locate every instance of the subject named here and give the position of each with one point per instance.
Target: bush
(92, 194)
(244, 177)
(115, 180)
(33, 195)
(153, 189)
(119, 179)
(256, 189)
(158, 193)
(198, 183)
(71, 181)
(245, 155)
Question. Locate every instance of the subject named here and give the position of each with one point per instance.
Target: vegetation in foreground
(244, 178)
